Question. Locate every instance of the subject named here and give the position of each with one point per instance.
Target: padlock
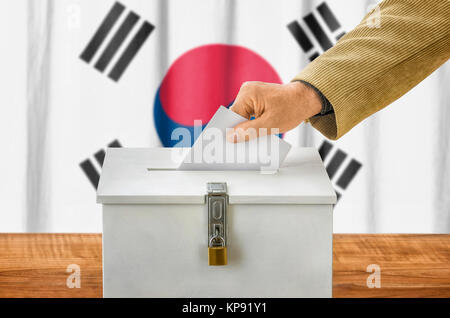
(217, 256)
(217, 251)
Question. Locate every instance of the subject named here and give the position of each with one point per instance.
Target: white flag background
(59, 111)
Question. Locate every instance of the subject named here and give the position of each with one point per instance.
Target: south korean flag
(127, 73)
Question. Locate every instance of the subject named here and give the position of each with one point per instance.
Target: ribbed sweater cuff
(327, 108)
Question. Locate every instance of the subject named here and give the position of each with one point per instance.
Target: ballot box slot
(270, 172)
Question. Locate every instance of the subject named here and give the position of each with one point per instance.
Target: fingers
(246, 105)
(250, 129)
(243, 104)
(240, 109)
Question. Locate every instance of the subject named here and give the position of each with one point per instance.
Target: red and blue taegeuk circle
(201, 80)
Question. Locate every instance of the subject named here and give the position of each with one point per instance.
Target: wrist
(311, 102)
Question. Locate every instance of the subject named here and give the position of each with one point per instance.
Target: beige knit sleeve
(371, 67)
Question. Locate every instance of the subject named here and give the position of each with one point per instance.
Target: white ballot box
(173, 233)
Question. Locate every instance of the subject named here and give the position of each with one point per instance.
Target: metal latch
(217, 201)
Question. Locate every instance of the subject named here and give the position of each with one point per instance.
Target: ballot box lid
(149, 176)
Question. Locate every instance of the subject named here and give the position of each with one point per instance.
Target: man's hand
(282, 106)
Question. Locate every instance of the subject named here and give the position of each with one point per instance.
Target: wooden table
(35, 265)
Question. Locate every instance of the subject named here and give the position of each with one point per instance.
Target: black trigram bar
(90, 172)
(338, 196)
(349, 173)
(100, 157)
(314, 56)
(120, 36)
(89, 169)
(325, 149)
(102, 32)
(117, 41)
(336, 162)
(300, 36)
(328, 16)
(131, 51)
(340, 36)
(114, 144)
(318, 32)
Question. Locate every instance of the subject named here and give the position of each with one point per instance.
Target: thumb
(248, 130)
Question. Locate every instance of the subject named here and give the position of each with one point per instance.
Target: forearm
(370, 68)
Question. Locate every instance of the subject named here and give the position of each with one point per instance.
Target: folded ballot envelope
(177, 227)
(211, 151)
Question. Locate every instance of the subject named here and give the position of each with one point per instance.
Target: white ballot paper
(211, 150)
